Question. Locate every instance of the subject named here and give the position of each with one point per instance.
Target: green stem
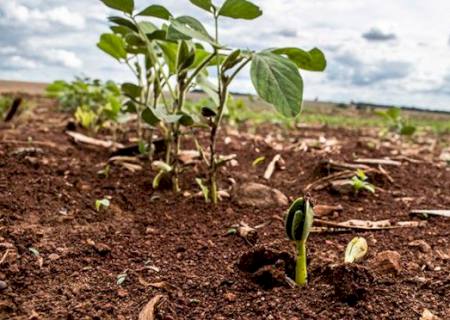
(301, 277)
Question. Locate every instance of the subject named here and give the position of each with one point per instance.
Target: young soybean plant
(274, 72)
(298, 224)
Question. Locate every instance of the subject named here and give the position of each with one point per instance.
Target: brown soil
(179, 247)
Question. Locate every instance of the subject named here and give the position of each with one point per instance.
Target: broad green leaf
(186, 119)
(126, 6)
(149, 117)
(204, 4)
(123, 22)
(170, 54)
(121, 30)
(186, 28)
(313, 60)
(156, 11)
(147, 27)
(157, 35)
(113, 45)
(278, 81)
(240, 9)
(131, 90)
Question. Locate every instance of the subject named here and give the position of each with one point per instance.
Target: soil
(107, 264)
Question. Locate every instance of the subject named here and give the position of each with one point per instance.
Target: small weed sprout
(359, 182)
(103, 203)
(356, 250)
(298, 224)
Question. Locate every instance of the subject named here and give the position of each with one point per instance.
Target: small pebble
(3, 285)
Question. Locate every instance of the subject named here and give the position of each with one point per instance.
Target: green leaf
(185, 56)
(186, 28)
(149, 117)
(204, 4)
(126, 6)
(113, 45)
(408, 130)
(313, 60)
(131, 90)
(124, 23)
(240, 9)
(156, 11)
(278, 81)
(170, 55)
(147, 27)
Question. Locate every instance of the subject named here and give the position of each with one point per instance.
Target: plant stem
(300, 267)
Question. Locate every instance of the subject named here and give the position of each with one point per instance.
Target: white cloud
(17, 14)
(66, 58)
(412, 69)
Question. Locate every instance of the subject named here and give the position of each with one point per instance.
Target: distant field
(317, 112)
(20, 86)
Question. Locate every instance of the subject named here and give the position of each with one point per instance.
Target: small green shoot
(359, 182)
(104, 172)
(258, 161)
(163, 169)
(395, 121)
(298, 224)
(356, 250)
(103, 203)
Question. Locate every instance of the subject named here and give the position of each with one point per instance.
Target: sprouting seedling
(122, 277)
(103, 203)
(258, 161)
(396, 122)
(163, 169)
(359, 182)
(299, 220)
(104, 172)
(356, 250)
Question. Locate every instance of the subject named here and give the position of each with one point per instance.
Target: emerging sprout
(103, 203)
(299, 220)
(359, 182)
(356, 250)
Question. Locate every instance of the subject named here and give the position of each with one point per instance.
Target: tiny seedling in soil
(121, 278)
(299, 220)
(395, 122)
(359, 182)
(258, 161)
(356, 250)
(103, 203)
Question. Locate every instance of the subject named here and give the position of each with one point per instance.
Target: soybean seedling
(299, 220)
(359, 182)
(103, 203)
(356, 250)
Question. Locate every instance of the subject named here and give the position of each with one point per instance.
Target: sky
(387, 52)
